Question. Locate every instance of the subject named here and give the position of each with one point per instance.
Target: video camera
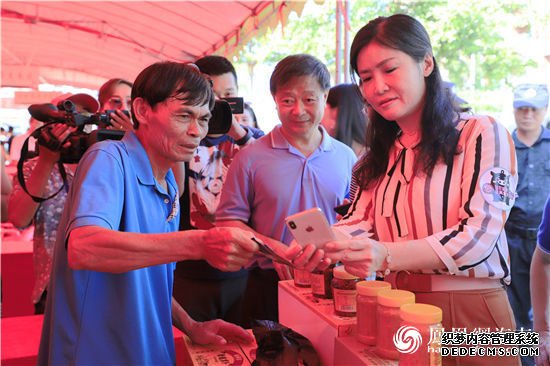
(79, 140)
(222, 114)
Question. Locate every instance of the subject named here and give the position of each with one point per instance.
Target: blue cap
(531, 95)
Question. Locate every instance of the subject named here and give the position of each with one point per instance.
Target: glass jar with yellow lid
(389, 302)
(367, 302)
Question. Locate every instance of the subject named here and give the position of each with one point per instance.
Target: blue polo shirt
(544, 229)
(271, 179)
(533, 181)
(97, 318)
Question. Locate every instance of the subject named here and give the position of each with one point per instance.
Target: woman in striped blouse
(434, 189)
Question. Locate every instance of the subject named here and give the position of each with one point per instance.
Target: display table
(332, 336)
(349, 351)
(17, 278)
(313, 318)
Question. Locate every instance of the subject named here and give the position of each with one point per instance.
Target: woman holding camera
(115, 95)
(43, 178)
(435, 189)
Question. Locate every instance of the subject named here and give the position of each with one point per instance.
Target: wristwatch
(243, 140)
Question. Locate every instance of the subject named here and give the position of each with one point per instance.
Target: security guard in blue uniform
(532, 142)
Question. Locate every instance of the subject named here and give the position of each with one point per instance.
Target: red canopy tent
(83, 43)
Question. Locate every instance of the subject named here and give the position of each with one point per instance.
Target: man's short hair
(216, 65)
(299, 65)
(163, 80)
(106, 90)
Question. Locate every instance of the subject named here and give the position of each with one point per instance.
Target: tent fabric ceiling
(83, 43)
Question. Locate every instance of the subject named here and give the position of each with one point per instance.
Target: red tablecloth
(20, 340)
(17, 278)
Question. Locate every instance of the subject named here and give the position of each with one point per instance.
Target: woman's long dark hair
(351, 121)
(439, 134)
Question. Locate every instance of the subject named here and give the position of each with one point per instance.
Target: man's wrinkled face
(176, 128)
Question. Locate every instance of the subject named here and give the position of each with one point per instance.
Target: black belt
(526, 233)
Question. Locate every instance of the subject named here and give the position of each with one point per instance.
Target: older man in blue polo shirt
(532, 141)
(110, 299)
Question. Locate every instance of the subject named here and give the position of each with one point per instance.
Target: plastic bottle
(426, 319)
(389, 302)
(367, 302)
(344, 292)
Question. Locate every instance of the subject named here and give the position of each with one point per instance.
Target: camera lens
(292, 224)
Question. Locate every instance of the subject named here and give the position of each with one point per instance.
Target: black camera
(79, 140)
(222, 114)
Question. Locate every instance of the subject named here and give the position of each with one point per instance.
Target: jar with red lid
(344, 292)
(321, 283)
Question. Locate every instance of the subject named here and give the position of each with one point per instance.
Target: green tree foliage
(311, 33)
(468, 41)
(467, 36)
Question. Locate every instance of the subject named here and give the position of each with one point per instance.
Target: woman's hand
(120, 121)
(307, 258)
(361, 257)
(52, 139)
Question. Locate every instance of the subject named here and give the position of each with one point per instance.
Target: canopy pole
(346, 41)
(338, 48)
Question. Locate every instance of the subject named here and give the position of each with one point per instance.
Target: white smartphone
(310, 227)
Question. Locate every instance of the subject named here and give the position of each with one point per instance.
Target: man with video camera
(110, 299)
(217, 294)
(43, 178)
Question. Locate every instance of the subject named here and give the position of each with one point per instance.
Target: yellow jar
(389, 302)
(344, 292)
(424, 329)
(367, 302)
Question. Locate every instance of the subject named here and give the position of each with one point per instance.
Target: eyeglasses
(118, 103)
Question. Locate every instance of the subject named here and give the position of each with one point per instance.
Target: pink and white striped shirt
(459, 210)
